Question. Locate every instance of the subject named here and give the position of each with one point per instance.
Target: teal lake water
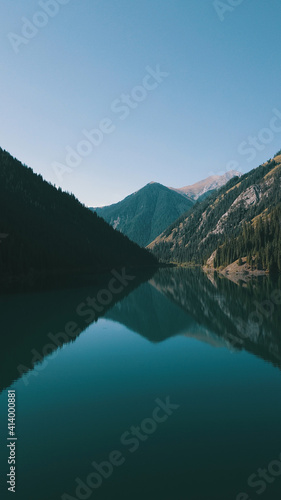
(180, 377)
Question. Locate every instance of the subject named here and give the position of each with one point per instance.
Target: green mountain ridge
(143, 215)
(242, 218)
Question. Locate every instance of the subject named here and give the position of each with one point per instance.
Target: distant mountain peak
(143, 215)
(194, 191)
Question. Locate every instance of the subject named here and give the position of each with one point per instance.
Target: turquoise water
(166, 342)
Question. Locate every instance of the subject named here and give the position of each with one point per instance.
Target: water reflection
(174, 301)
(107, 380)
(212, 308)
(35, 324)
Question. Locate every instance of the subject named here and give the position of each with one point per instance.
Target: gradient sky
(223, 84)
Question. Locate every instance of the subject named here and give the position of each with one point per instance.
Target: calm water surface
(181, 338)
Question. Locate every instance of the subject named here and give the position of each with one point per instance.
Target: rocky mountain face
(241, 217)
(145, 214)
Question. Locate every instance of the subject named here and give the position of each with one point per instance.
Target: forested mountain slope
(241, 219)
(145, 214)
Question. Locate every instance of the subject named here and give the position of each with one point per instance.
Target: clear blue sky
(223, 84)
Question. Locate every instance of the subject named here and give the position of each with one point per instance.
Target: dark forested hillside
(45, 230)
(145, 214)
(241, 219)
